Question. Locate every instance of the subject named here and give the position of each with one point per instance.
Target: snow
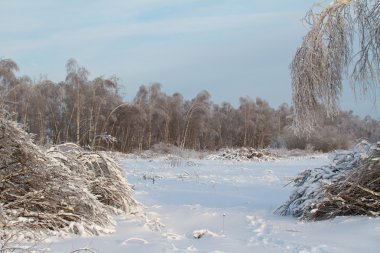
(196, 205)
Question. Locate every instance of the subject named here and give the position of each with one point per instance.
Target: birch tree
(77, 78)
(343, 42)
(8, 79)
(198, 108)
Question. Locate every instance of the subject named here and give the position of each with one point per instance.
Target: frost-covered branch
(343, 39)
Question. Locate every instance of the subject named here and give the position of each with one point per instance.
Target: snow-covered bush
(350, 185)
(65, 188)
(104, 177)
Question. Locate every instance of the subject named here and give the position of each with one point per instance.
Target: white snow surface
(194, 205)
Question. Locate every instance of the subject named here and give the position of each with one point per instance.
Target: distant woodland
(93, 114)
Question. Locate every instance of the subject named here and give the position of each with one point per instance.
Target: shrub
(350, 185)
(65, 188)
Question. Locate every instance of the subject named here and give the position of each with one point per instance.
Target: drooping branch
(367, 59)
(343, 41)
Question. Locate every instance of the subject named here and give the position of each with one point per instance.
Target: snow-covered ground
(222, 206)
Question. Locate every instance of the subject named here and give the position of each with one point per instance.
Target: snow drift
(62, 189)
(350, 185)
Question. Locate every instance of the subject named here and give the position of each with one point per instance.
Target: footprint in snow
(263, 235)
(261, 231)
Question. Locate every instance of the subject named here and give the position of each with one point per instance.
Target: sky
(231, 48)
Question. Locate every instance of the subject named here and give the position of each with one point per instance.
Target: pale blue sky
(232, 48)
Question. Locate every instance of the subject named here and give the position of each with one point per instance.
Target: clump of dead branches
(356, 194)
(62, 189)
(350, 185)
(244, 154)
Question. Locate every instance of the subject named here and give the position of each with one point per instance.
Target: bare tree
(7, 73)
(198, 107)
(8, 79)
(264, 123)
(77, 77)
(246, 111)
(344, 40)
(229, 125)
(177, 122)
(102, 100)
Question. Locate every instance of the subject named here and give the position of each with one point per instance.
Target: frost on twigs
(105, 180)
(342, 42)
(350, 185)
(61, 189)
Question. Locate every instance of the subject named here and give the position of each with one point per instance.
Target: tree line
(92, 113)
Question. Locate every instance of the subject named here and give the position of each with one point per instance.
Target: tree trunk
(78, 115)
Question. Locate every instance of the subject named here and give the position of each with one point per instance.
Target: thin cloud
(106, 32)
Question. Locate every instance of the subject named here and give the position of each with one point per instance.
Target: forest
(93, 114)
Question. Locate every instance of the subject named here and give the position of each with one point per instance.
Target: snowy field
(222, 206)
